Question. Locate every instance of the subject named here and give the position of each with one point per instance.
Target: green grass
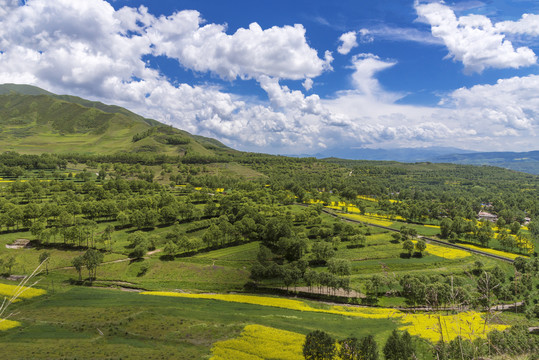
(40, 122)
(67, 325)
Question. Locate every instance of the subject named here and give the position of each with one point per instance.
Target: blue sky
(293, 76)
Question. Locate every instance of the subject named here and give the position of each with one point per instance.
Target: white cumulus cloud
(365, 67)
(474, 39)
(278, 51)
(527, 25)
(349, 41)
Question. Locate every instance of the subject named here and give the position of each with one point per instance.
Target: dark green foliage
(91, 259)
(175, 140)
(318, 346)
(408, 246)
(143, 135)
(368, 348)
(399, 346)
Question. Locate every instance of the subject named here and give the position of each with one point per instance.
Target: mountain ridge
(34, 120)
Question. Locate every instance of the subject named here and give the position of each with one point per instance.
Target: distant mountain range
(520, 161)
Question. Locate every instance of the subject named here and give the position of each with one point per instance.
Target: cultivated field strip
(428, 239)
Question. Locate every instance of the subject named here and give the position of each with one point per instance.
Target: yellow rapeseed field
(468, 324)
(363, 197)
(256, 341)
(245, 299)
(368, 219)
(445, 252)
(8, 324)
(492, 251)
(23, 292)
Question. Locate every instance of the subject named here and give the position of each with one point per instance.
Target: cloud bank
(89, 49)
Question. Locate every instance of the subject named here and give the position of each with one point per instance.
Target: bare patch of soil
(19, 244)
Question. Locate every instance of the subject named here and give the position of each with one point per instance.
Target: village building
(487, 216)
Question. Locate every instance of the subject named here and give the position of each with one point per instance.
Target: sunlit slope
(33, 120)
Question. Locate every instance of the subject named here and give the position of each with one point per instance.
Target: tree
(44, 257)
(9, 264)
(37, 229)
(123, 219)
(484, 233)
(408, 246)
(373, 286)
(399, 347)
(445, 227)
(486, 286)
(368, 348)
(322, 251)
(506, 240)
(358, 240)
(107, 235)
(136, 238)
(339, 267)
(318, 346)
(140, 250)
(78, 263)
(514, 227)
(397, 237)
(170, 249)
(421, 246)
(533, 227)
(92, 258)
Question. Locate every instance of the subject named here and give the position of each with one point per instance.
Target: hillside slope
(34, 121)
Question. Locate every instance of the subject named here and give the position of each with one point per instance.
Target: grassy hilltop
(34, 121)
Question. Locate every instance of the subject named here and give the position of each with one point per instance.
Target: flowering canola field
(256, 341)
(492, 251)
(22, 292)
(466, 324)
(19, 292)
(8, 324)
(445, 252)
(367, 219)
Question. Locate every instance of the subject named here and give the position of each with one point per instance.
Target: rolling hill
(34, 121)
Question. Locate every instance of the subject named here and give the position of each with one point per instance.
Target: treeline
(513, 342)
(13, 164)
(479, 288)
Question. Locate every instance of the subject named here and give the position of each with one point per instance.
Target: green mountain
(34, 121)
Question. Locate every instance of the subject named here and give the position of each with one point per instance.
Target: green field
(90, 323)
(126, 208)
